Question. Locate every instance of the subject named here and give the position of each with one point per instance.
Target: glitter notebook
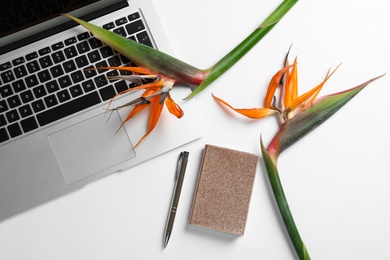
(224, 189)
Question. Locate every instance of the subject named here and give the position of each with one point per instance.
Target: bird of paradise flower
(167, 70)
(297, 116)
(156, 94)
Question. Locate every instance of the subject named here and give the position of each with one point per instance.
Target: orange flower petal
(255, 113)
(311, 95)
(136, 109)
(291, 87)
(274, 83)
(173, 108)
(154, 116)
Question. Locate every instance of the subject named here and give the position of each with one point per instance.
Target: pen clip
(179, 164)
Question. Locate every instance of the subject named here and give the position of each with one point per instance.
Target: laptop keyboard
(54, 82)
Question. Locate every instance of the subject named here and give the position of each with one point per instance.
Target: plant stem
(245, 46)
(284, 209)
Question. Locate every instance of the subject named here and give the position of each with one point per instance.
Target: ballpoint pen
(179, 177)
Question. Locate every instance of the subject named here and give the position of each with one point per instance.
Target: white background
(337, 179)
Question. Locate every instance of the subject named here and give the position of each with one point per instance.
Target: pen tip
(166, 239)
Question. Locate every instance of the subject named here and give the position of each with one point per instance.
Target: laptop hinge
(62, 27)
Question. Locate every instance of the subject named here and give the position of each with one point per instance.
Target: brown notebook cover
(224, 189)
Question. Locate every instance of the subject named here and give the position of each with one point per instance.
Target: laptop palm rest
(91, 146)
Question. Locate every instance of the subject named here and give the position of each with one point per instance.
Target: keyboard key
(95, 43)
(101, 81)
(3, 135)
(18, 86)
(3, 106)
(68, 108)
(12, 116)
(52, 86)
(14, 101)
(44, 76)
(38, 105)
(65, 81)
(3, 122)
(63, 95)
(77, 76)
(14, 130)
(120, 31)
(94, 56)
(7, 76)
(27, 96)
(31, 81)
(109, 26)
(57, 46)
(6, 91)
(25, 111)
(58, 57)
(106, 51)
(39, 91)
(69, 66)
(135, 27)
(121, 21)
(44, 51)
(121, 86)
(31, 56)
(83, 47)
(144, 38)
(32, 66)
(101, 65)
(76, 91)
(18, 61)
(88, 86)
(50, 101)
(83, 36)
(107, 92)
(112, 73)
(70, 52)
(5, 66)
(70, 41)
(89, 73)
(45, 62)
(56, 71)
(114, 61)
(133, 16)
(82, 61)
(20, 71)
(29, 124)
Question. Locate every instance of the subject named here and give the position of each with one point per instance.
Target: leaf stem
(273, 175)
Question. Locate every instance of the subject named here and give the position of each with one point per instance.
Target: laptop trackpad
(90, 147)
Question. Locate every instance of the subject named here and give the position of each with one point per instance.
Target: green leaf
(142, 55)
(311, 117)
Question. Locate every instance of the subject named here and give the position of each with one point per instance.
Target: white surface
(336, 179)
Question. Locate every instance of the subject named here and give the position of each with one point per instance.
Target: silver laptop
(54, 136)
